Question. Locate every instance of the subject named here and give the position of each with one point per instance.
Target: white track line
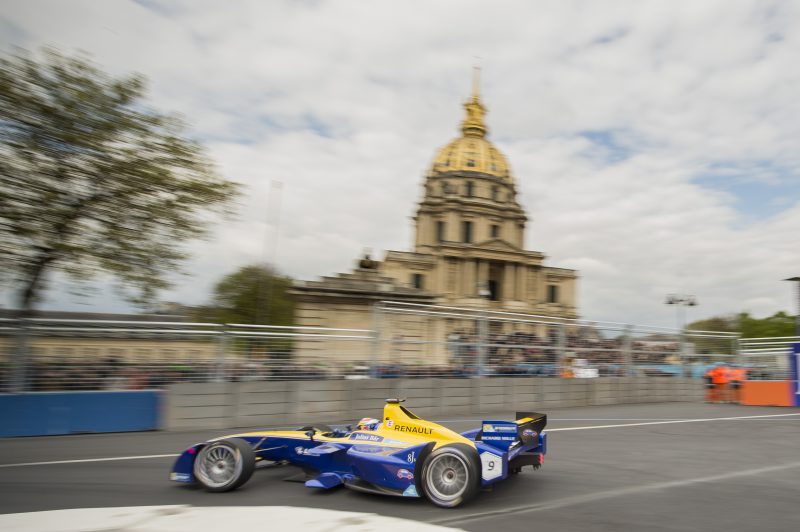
(737, 418)
(92, 460)
(597, 496)
(671, 422)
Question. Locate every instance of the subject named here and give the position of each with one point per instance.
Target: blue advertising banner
(794, 364)
(52, 413)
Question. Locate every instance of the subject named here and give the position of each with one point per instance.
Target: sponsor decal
(498, 438)
(389, 423)
(413, 430)
(411, 491)
(366, 437)
(491, 466)
(301, 450)
(180, 477)
(499, 428)
(529, 433)
(367, 449)
(405, 473)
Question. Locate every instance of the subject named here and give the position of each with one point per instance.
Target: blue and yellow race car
(400, 454)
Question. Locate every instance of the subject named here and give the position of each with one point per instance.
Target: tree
(779, 324)
(92, 179)
(255, 295)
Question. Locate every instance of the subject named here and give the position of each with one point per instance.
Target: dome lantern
(473, 124)
(472, 151)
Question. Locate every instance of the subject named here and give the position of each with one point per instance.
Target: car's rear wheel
(224, 465)
(451, 475)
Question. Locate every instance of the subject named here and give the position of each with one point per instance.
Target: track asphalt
(630, 467)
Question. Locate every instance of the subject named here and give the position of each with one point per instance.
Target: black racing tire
(451, 475)
(224, 465)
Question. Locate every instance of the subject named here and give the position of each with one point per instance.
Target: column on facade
(441, 275)
(508, 282)
(522, 277)
(471, 277)
(459, 281)
(483, 273)
(542, 285)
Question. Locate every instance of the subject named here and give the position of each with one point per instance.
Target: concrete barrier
(54, 413)
(268, 403)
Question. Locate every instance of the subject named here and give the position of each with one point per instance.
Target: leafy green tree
(254, 295)
(94, 180)
(779, 324)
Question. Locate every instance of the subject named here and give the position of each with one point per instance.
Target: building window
(470, 189)
(494, 293)
(418, 280)
(494, 193)
(445, 188)
(466, 232)
(552, 293)
(495, 231)
(440, 231)
(470, 163)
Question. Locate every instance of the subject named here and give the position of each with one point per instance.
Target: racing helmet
(368, 423)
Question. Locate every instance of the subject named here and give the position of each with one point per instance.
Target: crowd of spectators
(523, 352)
(514, 353)
(59, 374)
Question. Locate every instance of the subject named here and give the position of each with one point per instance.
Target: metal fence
(405, 340)
(766, 358)
(489, 342)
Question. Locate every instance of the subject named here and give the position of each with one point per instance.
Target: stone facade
(468, 249)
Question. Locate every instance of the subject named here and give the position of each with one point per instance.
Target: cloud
(625, 123)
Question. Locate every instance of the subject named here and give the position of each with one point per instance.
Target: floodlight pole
(681, 301)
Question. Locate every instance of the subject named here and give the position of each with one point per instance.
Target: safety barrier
(270, 403)
(406, 341)
(54, 413)
(772, 371)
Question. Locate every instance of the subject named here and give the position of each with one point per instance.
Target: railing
(406, 340)
(766, 357)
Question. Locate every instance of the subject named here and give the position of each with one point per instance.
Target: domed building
(468, 247)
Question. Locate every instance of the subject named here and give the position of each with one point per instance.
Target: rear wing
(504, 434)
(529, 426)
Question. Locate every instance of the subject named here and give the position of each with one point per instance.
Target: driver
(368, 423)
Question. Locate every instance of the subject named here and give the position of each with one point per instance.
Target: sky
(654, 144)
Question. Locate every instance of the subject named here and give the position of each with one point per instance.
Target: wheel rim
(218, 465)
(448, 477)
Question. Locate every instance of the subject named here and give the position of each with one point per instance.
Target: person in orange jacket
(711, 392)
(738, 375)
(720, 378)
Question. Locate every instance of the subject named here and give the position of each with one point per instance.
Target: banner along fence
(406, 341)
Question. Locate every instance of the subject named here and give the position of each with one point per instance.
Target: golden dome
(472, 152)
(467, 154)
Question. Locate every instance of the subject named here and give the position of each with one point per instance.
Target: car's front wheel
(451, 475)
(224, 465)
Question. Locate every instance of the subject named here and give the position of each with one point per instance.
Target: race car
(399, 454)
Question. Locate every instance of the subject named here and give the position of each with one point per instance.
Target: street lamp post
(681, 301)
(797, 317)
